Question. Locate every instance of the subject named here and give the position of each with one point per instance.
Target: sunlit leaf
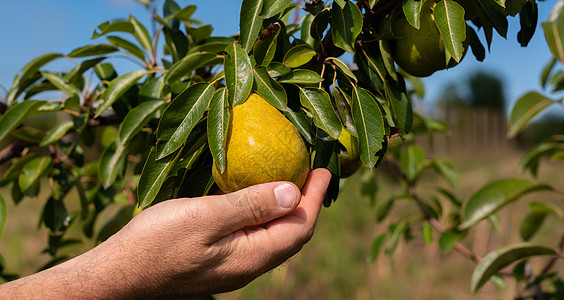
(269, 89)
(238, 74)
(369, 124)
(318, 103)
(180, 117)
(218, 122)
(136, 119)
(526, 107)
(111, 162)
(250, 23)
(493, 197)
(141, 34)
(271, 8)
(153, 176)
(412, 12)
(32, 170)
(92, 50)
(300, 76)
(298, 55)
(188, 64)
(57, 132)
(118, 87)
(60, 83)
(496, 260)
(16, 115)
(346, 25)
(449, 16)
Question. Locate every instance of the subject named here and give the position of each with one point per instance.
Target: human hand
(198, 246)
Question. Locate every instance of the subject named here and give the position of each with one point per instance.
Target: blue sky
(29, 28)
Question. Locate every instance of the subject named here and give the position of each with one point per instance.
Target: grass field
(335, 264)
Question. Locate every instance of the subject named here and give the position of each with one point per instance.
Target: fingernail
(285, 195)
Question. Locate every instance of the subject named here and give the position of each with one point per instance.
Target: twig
(14, 149)
(459, 247)
(553, 260)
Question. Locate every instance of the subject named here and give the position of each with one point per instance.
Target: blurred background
(473, 99)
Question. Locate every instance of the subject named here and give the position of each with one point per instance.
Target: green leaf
(493, 197)
(319, 24)
(342, 67)
(60, 84)
(218, 122)
(448, 240)
(128, 46)
(3, 215)
(447, 170)
(29, 76)
(118, 86)
(111, 162)
(92, 50)
(34, 169)
(396, 232)
(526, 107)
(532, 158)
(369, 124)
(341, 3)
(554, 35)
(180, 117)
(412, 11)
(531, 225)
(265, 49)
(238, 74)
(427, 233)
(449, 17)
(276, 69)
(56, 133)
(136, 119)
(411, 161)
(269, 89)
(153, 176)
(547, 70)
(298, 55)
(305, 30)
(300, 76)
(16, 115)
(496, 260)
(250, 23)
(346, 25)
(184, 13)
(477, 48)
(298, 118)
(141, 34)
(116, 26)
(105, 71)
(319, 105)
(271, 8)
(188, 64)
(400, 105)
(377, 246)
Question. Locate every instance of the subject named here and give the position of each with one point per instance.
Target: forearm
(100, 273)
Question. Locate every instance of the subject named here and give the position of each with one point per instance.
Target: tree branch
(14, 149)
(459, 247)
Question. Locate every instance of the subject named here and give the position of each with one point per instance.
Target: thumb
(253, 206)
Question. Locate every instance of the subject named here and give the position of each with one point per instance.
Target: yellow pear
(261, 146)
(420, 52)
